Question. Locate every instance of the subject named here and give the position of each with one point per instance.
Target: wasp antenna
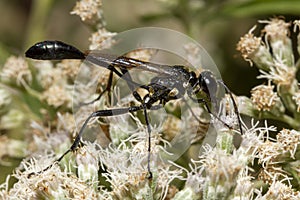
(236, 110)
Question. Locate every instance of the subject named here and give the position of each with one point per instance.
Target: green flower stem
(286, 93)
(254, 8)
(292, 122)
(297, 65)
(225, 141)
(186, 193)
(250, 110)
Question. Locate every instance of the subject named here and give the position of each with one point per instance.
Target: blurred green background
(216, 24)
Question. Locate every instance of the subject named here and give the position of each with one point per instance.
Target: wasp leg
(234, 105)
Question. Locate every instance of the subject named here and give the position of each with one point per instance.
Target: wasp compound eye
(208, 82)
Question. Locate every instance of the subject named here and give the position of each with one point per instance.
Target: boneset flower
(88, 10)
(279, 190)
(57, 96)
(280, 71)
(289, 140)
(254, 50)
(17, 69)
(102, 39)
(264, 97)
(277, 35)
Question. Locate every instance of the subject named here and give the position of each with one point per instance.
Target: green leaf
(262, 7)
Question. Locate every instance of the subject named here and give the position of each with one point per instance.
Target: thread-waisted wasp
(170, 83)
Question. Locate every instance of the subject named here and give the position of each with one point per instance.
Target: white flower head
(279, 190)
(253, 50)
(280, 73)
(264, 97)
(89, 10)
(17, 69)
(277, 33)
(58, 95)
(289, 140)
(126, 166)
(51, 184)
(102, 39)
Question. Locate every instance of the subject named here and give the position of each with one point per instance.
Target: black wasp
(171, 82)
